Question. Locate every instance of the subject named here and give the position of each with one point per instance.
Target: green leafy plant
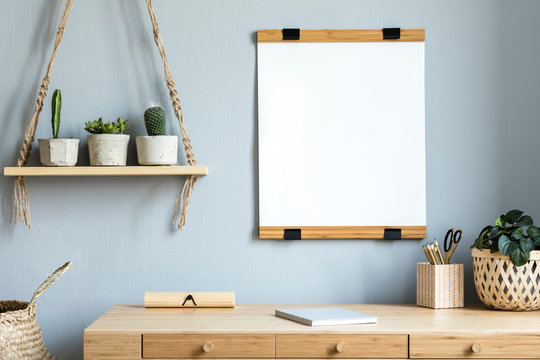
(513, 234)
(99, 127)
(155, 121)
(56, 106)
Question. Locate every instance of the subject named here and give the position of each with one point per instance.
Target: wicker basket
(20, 335)
(503, 286)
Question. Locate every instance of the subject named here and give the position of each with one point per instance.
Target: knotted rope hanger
(20, 212)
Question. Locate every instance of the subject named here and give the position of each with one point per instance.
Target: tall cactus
(154, 119)
(56, 106)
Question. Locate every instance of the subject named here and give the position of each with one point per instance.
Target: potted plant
(506, 263)
(107, 143)
(56, 151)
(157, 148)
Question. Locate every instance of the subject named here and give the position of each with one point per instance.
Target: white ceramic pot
(157, 150)
(58, 152)
(108, 149)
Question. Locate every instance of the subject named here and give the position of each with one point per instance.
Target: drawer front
(342, 346)
(480, 347)
(170, 346)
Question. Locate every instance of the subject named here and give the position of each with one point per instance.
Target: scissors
(451, 241)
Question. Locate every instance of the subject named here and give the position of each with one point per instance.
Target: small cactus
(56, 106)
(154, 119)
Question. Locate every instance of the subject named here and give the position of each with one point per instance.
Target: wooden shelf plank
(105, 170)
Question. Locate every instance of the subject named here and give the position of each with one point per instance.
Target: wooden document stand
(189, 299)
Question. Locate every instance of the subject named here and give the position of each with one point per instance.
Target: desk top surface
(260, 319)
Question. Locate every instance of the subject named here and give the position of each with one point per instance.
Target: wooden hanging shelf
(105, 170)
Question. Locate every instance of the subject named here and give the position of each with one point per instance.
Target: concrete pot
(108, 149)
(157, 150)
(58, 152)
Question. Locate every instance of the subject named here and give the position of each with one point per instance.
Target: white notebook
(325, 316)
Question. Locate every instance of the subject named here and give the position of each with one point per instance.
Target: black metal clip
(392, 234)
(391, 33)
(292, 234)
(291, 34)
(188, 298)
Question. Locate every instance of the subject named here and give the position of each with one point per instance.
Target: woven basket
(502, 286)
(20, 335)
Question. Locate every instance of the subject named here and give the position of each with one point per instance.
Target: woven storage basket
(502, 285)
(20, 335)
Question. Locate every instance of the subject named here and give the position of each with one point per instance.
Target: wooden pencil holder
(439, 286)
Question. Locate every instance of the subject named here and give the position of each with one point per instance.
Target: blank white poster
(341, 134)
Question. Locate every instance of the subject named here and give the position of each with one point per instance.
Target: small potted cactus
(56, 151)
(157, 148)
(107, 143)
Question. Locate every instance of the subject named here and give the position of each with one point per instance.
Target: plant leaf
(533, 232)
(493, 232)
(504, 244)
(513, 215)
(525, 221)
(499, 221)
(526, 245)
(518, 234)
(494, 246)
(518, 257)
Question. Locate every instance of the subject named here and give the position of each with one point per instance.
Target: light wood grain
(260, 319)
(105, 170)
(176, 299)
(208, 346)
(342, 232)
(340, 35)
(352, 346)
(112, 346)
(476, 346)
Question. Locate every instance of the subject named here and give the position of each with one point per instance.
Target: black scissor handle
(448, 239)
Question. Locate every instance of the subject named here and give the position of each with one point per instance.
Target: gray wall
(482, 86)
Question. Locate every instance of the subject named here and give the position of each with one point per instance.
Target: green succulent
(513, 234)
(155, 121)
(98, 127)
(56, 105)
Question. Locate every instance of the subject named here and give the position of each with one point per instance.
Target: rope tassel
(20, 213)
(182, 202)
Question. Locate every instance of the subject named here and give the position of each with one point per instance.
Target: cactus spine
(154, 120)
(56, 106)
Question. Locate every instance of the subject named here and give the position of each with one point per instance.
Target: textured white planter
(108, 149)
(58, 152)
(157, 150)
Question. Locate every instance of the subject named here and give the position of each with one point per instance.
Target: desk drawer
(480, 347)
(342, 346)
(170, 346)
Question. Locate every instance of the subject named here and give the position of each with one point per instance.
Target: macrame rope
(20, 212)
(182, 202)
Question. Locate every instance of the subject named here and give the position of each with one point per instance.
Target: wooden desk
(252, 331)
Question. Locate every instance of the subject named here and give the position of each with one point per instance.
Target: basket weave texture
(20, 335)
(503, 286)
(439, 286)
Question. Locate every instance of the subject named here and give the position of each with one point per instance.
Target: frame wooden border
(343, 232)
(327, 35)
